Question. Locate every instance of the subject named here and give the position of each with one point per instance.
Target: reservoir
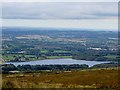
(58, 62)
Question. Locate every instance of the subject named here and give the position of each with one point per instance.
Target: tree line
(10, 67)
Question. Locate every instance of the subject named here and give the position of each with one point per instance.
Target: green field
(44, 51)
(112, 56)
(60, 51)
(58, 57)
(11, 57)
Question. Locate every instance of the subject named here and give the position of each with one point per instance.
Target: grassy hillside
(95, 78)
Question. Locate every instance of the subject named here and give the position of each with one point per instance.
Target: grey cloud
(58, 10)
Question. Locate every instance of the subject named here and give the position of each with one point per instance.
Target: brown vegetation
(100, 78)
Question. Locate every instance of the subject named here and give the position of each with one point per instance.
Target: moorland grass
(99, 78)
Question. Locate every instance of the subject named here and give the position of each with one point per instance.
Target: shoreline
(61, 58)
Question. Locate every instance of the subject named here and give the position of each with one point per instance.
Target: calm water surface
(58, 62)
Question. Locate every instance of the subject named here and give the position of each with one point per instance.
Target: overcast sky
(92, 15)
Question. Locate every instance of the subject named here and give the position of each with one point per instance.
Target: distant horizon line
(78, 29)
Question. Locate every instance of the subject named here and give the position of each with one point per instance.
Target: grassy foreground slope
(99, 78)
